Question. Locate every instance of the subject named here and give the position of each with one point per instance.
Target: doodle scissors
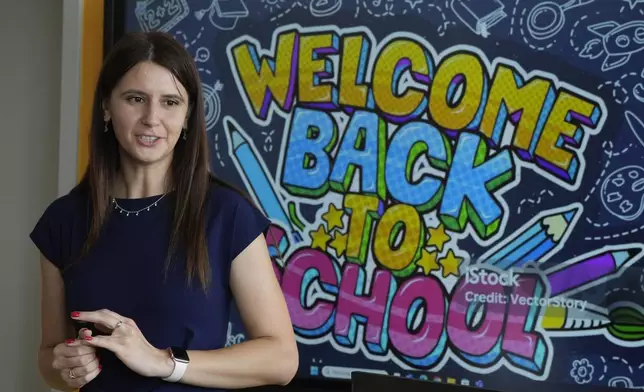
(548, 18)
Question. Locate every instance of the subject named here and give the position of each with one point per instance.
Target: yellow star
(333, 218)
(339, 243)
(450, 264)
(319, 238)
(428, 262)
(438, 237)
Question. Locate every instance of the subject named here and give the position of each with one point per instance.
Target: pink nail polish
(69, 341)
(88, 338)
(75, 314)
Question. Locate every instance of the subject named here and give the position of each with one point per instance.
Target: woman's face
(148, 110)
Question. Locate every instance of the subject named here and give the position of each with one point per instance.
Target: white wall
(31, 43)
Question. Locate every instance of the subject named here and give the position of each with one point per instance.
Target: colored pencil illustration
(592, 269)
(536, 240)
(255, 175)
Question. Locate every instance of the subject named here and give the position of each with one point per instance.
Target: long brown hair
(190, 164)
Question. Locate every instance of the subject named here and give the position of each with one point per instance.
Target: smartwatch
(181, 360)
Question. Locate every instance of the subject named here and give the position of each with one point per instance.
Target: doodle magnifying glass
(547, 19)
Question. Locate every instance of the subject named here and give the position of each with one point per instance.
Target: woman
(141, 260)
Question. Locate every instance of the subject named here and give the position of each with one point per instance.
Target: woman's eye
(135, 99)
(172, 103)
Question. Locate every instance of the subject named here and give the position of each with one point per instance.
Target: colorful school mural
(455, 186)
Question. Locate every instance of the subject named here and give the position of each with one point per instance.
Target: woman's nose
(150, 117)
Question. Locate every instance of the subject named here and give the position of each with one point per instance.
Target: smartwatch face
(180, 354)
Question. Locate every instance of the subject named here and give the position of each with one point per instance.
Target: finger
(86, 368)
(84, 332)
(111, 343)
(71, 348)
(113, 314)
(79, 381)
(121, 319)
(124, 320)
(79, 361)
(75, 347)
(91, 375)
(102, 317)
(103, 328)
(72, 382)
(61, 363)
(63, 349)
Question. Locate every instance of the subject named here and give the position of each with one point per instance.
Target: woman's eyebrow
(139, 92)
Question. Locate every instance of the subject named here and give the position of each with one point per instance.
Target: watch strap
(179, 369)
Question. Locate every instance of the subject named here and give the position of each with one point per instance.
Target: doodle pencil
(256, 177)
(536, 240)
(592, 268)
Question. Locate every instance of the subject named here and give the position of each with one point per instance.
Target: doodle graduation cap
(224, 14)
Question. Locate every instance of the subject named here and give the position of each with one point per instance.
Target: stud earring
(184, 134)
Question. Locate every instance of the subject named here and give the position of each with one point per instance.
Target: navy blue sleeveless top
(124, 272)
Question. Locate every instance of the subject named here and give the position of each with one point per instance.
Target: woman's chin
(148, 156)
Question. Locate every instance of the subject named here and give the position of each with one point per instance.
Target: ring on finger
(71, 374)
(118, 324)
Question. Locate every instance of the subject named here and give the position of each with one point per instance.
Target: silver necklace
(122, 210)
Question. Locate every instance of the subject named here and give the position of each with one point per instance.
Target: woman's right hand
(77, 363)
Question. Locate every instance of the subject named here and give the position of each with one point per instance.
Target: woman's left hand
(127, 342)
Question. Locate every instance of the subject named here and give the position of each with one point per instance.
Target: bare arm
(269, 356)
(55, 327)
